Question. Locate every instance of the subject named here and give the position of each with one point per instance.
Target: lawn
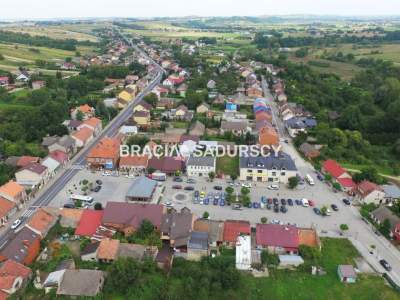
(228, 165)
(300, 285)
(179, 124)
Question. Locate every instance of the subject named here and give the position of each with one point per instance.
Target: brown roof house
(83, 283)
(214, 229)
(7, 210)
(309, 150)
(14, 192)
(176, 228)
(13, 277)
(41, 222)
(197, 129)
(238, 128)
(203, 108)
(32, 176)
(107, 251)
(128, 217)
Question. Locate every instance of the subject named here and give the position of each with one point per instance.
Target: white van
(304, 202)
(309, 179)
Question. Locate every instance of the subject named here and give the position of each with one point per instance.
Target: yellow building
(142, 118)
(124, 98)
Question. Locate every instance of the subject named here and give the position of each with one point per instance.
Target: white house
(32, 176)
(51, 164)
(243, 252)
(369, 192)
(200, 166)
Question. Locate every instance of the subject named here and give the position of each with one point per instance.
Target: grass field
(228, 165)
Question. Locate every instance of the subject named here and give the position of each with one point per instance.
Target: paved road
(50, 191)
(360, 234)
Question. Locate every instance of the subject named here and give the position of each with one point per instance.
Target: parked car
(283, 201)
(346, 201)
(189, 188)
(304, 202)
(169, 204)
(311, 203)
(196, 193)
(246, 185)
(215, 202)
(269, 200)
(222, 203)
(385, 265)
(191, 181)
(290, 202)
(297, 201)
(283, 209)
(276, 201)
(237, 207)
(16, 224)
(334, 207)
(276, 208)
(177, 187)
(320, 177)
(97, 188)
(178, 179)
(273, 187)
(256, 205)
(69, 205)
(206, 201)
(99, 182)
(269, 206)
(218, 187)
(263, 199)
(316, 210)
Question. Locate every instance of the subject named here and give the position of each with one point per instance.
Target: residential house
(133, 163)
(197, 129)
(263, 116)
(66, 144)
(243, 252)
(392, 192)
(4, 81)
(23, 76)
(237, 128)
(127, 217)
(51, 164)
(72, 125)
(142, 189)
(124, 98)
(142, 106)
(268, 168)
(176, 228)
(25, 160)
(89, 223)
(203, 108)
(89, 253)
(59, 156)
(82, 137)
(214, 229)
(41, 222)
(160, 91)
(197, 245)
(105, 154)
(211, 84)
(200, 166)
(268, 136)
(7, 210)
(81, 283)
(14, 192)
(296, 125)
(13, 277)
(181, 113)
(347, 273)
(254, 92)
(33, 175)
(107, 252)
(38, 84)
(70, 217)
(309, 151)
(142, 118)
(338, 174)
(23, 247)
(168, 165)
(276, 238)
(166, 103)
(94, 124)
(369, 192)
(233, 229)
(85, 110)
(128, 131)
(383, 213)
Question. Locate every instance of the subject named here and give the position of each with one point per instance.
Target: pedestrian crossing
(29, 212)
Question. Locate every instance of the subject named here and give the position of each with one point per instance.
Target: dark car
(290, 202)
(334, 207)
(249, 205)
(69, 205)
(215, 201)
(256, 205)
(320, 177)
(269, 206)
(346, 201)
(99, 182)
(178, 179)
(298, 202)
(316, 210)
(97, 188)
(177, 187)
(218, 187)
(283, 201)
(206, 201)
(276, 201)
(385, 265)
(283, 209)
(197, 194)
(276, 208)
(269, 200)
(222, 203)
(263, 199)
(189, 188)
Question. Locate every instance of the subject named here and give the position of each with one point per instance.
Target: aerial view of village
(152, 152)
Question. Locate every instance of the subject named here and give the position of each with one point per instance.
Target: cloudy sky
(34, 9)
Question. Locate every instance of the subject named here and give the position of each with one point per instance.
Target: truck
(309, 179)
(158, 176)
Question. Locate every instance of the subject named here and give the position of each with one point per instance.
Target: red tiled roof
(233, 228)
(23, 161)
(5, 207)
(89, 222)
(346, 182)
(333, 168)
(134, 160)
(366, 187)
(9, 271)
(166, 164)
(83, 134)
(36, 168)
(59, 156)
(106, 148)
(277, 235)
(93, 122)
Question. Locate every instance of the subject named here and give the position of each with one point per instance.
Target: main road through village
(78, 162)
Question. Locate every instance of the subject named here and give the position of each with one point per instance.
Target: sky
(51, 9)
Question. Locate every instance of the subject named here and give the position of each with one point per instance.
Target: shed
(290, 261)
(347, 273)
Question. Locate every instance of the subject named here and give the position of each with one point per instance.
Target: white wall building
(243, 252)
(200, 166)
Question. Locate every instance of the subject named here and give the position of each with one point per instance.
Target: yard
(228, 165)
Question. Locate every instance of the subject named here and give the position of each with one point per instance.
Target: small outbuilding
(347, 273)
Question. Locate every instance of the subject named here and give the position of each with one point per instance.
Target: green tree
(211, 176)
(293, 182)
(386, 228)
(324, 210)
(145, 229)
(206, 215)
(98, 206)
(268, 259)
(264, 220)
(344, 227)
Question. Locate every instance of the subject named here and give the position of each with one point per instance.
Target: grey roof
(178, 226)
(198, 240)
(237, 125)
(81, 283)
(282, 161)
(347, 271)
(142, 187)
(17, 247)
(50, 140)
(90, 248)
(131, 250)
(203, 161)
(66, 141)
(391, 191)
(214, 228)
(301, 122)
(382, 213)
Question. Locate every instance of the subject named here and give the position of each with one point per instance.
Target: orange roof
(108, 249)
(85, 108)
(308, 237)
(106, 148)
(93, 122)
(71, 213)
(268, 136)
(134, 160)
(9, 271)
(5, 206)
(83, 134)
(11, 188)
(23, 161)
(41, 221)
